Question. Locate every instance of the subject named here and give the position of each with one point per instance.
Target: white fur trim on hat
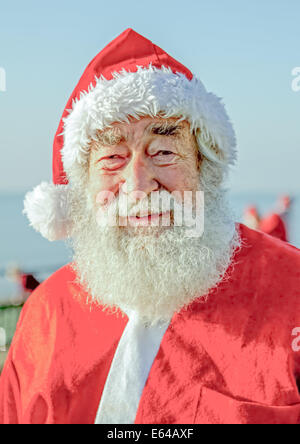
(148, 91)
(47, 210)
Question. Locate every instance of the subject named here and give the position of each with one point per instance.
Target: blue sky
(243, 51)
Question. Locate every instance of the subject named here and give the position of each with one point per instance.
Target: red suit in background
(29, 282)
(274, 223)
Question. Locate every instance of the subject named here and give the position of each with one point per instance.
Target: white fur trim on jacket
(147, 92)
(47, 210)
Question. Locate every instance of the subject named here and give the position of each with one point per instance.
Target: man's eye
(113, 157)
(112, 162)
(164, 152)
(164, 157)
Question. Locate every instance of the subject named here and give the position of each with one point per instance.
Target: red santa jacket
(233, 359)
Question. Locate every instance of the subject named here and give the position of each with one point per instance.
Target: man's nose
(138, 178)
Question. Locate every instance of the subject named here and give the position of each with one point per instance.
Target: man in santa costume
(151, 323)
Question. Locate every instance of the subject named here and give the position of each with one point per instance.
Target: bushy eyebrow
(110, 136)
(164, 128)
(113, 136)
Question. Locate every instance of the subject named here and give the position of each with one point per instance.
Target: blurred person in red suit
(274, 223)
(26, 282)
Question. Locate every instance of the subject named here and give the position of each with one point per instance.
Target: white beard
(156, 271)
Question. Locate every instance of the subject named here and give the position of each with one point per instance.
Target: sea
(20, 245)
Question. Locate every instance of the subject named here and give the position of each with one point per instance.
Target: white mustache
(155, 203)
(158, 202)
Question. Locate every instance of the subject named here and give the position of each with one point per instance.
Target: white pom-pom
(47, 210)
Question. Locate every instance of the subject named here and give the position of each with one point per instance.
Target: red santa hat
(130, 77)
